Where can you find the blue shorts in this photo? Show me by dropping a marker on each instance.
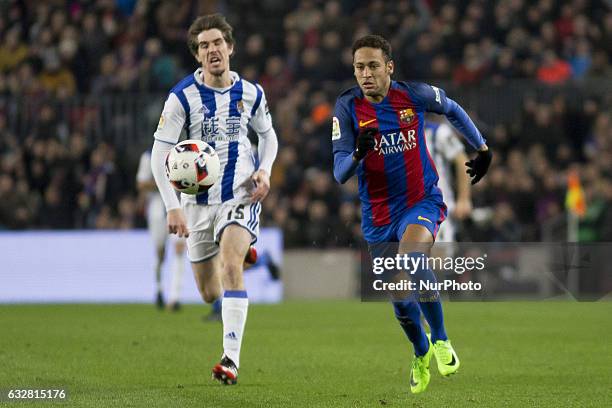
(429, 212)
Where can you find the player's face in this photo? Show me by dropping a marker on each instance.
(213, 52)
(372, 72)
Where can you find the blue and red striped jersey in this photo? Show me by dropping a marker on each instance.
(399, 172)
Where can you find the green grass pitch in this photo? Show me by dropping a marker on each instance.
(311, 354)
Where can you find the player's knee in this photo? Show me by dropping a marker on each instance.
(416, 238)
(209, 296)
(209, 293)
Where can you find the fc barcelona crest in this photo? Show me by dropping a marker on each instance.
(406, 115)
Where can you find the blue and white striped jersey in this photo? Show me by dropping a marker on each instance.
(220, 117)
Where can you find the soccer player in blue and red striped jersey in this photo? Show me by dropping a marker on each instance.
(378, 133)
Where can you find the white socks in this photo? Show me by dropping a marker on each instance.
(158, 279)
(234, 313)
(178, 267)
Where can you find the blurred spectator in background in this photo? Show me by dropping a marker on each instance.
(553, 69)
(12, 50)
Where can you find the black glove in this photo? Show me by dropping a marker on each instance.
(478, 167)
(365, 142)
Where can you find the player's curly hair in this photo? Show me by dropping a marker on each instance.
(374, 41)
(208, 22)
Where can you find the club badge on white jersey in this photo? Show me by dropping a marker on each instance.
(220, 117)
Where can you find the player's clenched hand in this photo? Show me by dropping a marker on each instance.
(365, 142)
(176, 223)
(478, 167)
(262, 185)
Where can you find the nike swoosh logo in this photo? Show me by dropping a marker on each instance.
(429, 221)
(453, 361)
(366, 123)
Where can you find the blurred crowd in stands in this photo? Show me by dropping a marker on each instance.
(52, 175)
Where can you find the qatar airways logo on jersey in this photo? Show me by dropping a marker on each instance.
(396, 142)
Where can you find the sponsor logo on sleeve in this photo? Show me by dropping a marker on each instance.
(335, 129)
(437, 91)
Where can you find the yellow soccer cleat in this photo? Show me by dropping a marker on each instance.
(448, 362)
(419, 372)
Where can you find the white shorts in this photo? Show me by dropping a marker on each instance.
(207, 222)
(156, 222)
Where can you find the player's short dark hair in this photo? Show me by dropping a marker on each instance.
(374, 41)
(208, 22)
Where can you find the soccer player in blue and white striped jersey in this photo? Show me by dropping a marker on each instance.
(217, 106)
